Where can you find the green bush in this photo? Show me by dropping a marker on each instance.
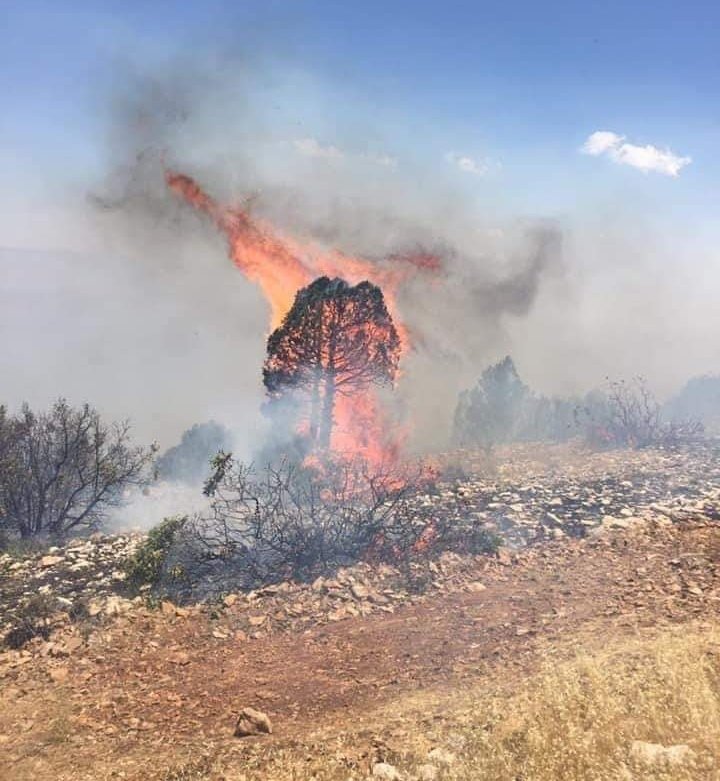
(146, 565)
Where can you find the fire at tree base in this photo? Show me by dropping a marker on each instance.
(327, 363)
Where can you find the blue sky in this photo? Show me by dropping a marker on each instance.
(519, 84)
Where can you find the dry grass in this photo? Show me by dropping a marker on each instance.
(575, 720)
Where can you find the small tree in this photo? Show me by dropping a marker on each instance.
(490, 412)
(336, 339)
(189, 461)
(64, 469)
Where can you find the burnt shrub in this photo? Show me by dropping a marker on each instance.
(299, 521)
(41, 614)
(33, 619)
(626, 414)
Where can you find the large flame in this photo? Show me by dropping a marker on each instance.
(281, 266)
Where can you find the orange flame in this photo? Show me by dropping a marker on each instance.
(280, 266)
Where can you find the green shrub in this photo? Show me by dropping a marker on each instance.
(146, 565)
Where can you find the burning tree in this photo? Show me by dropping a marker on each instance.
(304, 362)
(337, 341)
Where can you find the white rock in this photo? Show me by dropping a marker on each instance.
(657, 754)
(476, 587)
(94, 608)
(441, 757)
(116, 605)
(386, 772)
(252, 722)
(359, 591)
(50, 561)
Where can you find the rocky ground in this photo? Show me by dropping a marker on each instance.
(82, 578)
(526, 494)
(532, 493)
(147, 688)
(621, 542)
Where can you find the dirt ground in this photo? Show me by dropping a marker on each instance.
(155, 687)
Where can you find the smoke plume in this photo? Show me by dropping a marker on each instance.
(214, 125)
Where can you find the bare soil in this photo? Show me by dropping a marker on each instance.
(155, 687)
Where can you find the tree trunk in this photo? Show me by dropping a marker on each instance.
(315, 409)
(326, 422)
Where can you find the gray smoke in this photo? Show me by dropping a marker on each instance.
(213, 124)
(154, 322)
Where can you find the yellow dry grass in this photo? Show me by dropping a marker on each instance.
(576, 720)
(573, 720)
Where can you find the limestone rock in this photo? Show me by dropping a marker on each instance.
(476, 587)
(359, 591)
(385, 771)
(658, 755)
(114, 606)
(252, 722)
(50, 561)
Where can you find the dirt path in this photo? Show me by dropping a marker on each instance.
(158, 681)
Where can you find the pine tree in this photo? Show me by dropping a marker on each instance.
(336, 339)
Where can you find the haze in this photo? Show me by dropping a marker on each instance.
(576, 219)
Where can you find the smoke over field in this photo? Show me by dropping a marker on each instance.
(220, 209)
(163, 313)
(451, 276)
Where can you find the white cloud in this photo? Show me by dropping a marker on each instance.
(468, 164)
(600, 142)
(644, 158)
(311, 147)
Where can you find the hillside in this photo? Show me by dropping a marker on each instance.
(366, 672)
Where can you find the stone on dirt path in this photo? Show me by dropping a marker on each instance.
(385, 771)
(252, 722)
